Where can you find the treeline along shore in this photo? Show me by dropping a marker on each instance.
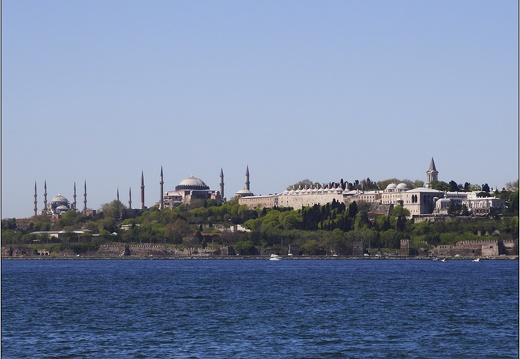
(230, 230)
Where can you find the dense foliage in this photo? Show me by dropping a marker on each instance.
(329, 229)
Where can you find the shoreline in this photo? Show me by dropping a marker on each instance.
(251, 257)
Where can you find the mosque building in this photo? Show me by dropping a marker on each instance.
(193, 192)
(246, 191)
(58, 205)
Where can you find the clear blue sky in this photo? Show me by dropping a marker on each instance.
(99, 91)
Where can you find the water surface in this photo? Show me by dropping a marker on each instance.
(259, 309)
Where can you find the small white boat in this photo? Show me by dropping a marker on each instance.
(443, 260)
(476, 260)
(275, 257)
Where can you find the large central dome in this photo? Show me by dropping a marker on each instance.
(191, 183)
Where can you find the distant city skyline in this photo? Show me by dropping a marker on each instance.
(42, 198)
(104, 91)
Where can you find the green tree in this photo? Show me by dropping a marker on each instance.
(399, 215)
(245, 248)
(454, 187)
(440, 186)
(312, 247)
(8, 223)
(113, 209)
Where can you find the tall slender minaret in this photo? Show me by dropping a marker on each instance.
(35, 200)
(74, 203)
(85, 199)
(161, 199)
(247, 178)
(431, 174)
(142, 190)
(130, 198)
(117, 195)
(45, 196)
(222, 183)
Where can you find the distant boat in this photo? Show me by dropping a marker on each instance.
(476, 260)
(443, 260)
(275, 257)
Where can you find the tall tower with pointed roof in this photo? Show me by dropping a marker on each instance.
(35, 201)
(130, 198)
(74, 203)
(161, 183)
(247, 178)
(222, 183)
(45, 196)
(142, 190)
(432, 174)
(85, 199)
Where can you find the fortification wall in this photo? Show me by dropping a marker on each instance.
(147, 250)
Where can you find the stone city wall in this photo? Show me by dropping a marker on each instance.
(147, 250)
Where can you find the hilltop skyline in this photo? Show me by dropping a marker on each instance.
(81, 191)
(102, 92)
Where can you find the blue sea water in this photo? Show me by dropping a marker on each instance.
(259, 309)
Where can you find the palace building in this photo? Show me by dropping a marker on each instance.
(419, 201)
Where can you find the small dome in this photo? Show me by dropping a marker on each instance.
(402, 186)
(244, 193)
(62, 208)
(391, 186)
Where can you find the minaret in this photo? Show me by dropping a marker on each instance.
(74, 203)
(142, 190)
(117, 195)
(247, 178)
(85, 199)
(35, 200)
(161, 199)
(431, 174)
(130, 198)
(222, 183)
(45, 196)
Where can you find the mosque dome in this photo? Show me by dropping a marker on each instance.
(391, 187)
(191, 183)
(402, 187)
(244, 193)
(59, 199)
